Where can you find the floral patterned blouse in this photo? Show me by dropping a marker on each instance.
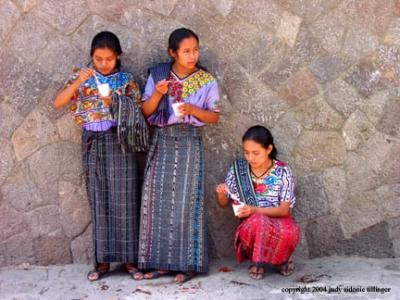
(199, 88)
(89, 109)
(273, 188)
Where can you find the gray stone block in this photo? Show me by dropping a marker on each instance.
(27, 43)
(74, 209)
(261, 15)
(336, 190)
(390, 171)
(18, 249)
(373, 14)
(390, 123)
(285, 133)
(359, 42)
(12, 67)
(69, 162)
(388, 62)
(289, 28)
(330, 29)
(316, 114)
(357, 130)
(304, 51)
(50, 250)
(65, 16)
(373, 241)
(328, 68)
(342, 97)
(309, 10)
(20, 191)
(12, 221)
(68, 130)
(259, 52)
(311, 198)
(300, 87)
(9, 15)
(82, 248)
(44, 221)
(7, 159)
(394, 234)
(35, 132)
(316, 151)
(392, 36)
(26, 5)
(202, 16)
(158, 6)
(25, 92)
(374, 106)
(59, 58)
(366, 78)
(111, 11)
(324, 236)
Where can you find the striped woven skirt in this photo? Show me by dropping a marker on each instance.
(263, 239)
(111, 182)
(172, 231)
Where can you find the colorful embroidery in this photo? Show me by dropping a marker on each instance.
(182, 89)
(86, 104)
(270, 190)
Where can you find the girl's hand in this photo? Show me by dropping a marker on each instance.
(246, 211)
(162, 87)
(221, 189)
(85, 74)
(186, 109)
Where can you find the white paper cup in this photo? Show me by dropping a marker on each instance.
(104, 89)
(236, 205)
(175, 107)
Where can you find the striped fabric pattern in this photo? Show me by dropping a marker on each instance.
(263, 239)
(172, 231)
(111, 181)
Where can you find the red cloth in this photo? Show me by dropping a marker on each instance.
(265, 239)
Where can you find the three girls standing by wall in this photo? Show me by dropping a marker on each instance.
(179, 99)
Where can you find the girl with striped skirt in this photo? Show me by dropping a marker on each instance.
(260, 188)
(110, 174)
(172, 226)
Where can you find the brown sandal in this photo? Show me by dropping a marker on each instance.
(132, 270)
(185, 276)
(99, 271)
(155, 274)
(287, 268)
(257, 273)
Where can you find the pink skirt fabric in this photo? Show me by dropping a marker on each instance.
(263, 239)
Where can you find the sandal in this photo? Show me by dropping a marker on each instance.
(184, 277)
(256, 272)
(98, 272)
(132, 270)
(287, 268)
(155, 274)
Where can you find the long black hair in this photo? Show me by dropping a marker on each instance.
(177, 36)
(262, 136)
(107, 39)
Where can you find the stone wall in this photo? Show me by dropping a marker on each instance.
(322, 74)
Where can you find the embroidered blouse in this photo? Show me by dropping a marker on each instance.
(89, 109)
(199, 88)
(271, 190)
